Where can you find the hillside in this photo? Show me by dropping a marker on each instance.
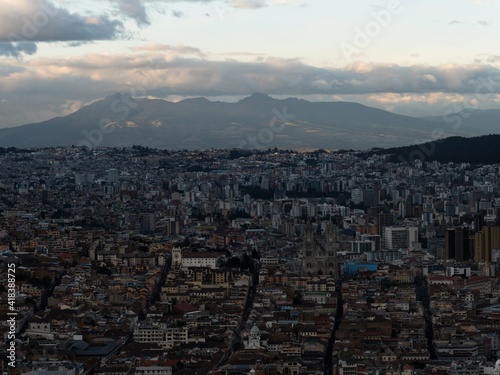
(258, 121)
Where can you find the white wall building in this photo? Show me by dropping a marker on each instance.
(160, 333)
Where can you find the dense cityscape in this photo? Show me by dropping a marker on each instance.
(258, 262)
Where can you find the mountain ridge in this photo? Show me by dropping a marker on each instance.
(258, 121)
(452, 149)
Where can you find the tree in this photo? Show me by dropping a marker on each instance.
(47, 280)
(181, 323)
(298, 298)
(104, 270)
(30, 300)
(247, 262)
(255, 254)
(234, 262)
(178, 366)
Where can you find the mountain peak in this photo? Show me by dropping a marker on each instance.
(260, 97)
(199, 100)
(118, 95)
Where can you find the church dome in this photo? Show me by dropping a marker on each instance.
(255, 330)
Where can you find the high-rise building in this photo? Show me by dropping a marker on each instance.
(113, 175)
(148, 224)
(457, 244)
(371, 197)
(384, 220)
(497, 216)
(373, 237)
(485, 241)
(396, 238)
(361, 247)
(449, 207)
(357, 196)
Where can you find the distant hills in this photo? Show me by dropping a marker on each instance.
(474, 120)
(476, 150)
(257, 121)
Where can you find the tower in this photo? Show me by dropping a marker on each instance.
(319, 254)
(457, 244)
(148, 224)
(113, 175)
(176, 257)
(384, 220)
(485, 241)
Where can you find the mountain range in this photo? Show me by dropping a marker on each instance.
(258, 121)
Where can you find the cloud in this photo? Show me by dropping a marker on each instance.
(256, 4)
(175, 50)
(177, 14)
(493, 58)
(454, 22)
(247, 4)
(17, 49)
(161, 70)
(429, 80)
(134, 9)
(483, 23)
(187, 71)
(34, 21)
(484, 2)
(25, 22)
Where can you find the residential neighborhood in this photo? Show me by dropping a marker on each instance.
(272, 262)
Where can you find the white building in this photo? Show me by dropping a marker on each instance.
(209, 260)
(457, 271)
(253, 339)
(396, 238)
(160, 333)
(360, 247)
(153, 370)
(347, 368)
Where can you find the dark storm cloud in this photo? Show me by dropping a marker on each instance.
(25, 22)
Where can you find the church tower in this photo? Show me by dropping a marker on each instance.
(319, 253)
(176, 257)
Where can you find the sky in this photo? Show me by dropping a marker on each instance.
(417, 58)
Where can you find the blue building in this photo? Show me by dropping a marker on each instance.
(352, 267)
